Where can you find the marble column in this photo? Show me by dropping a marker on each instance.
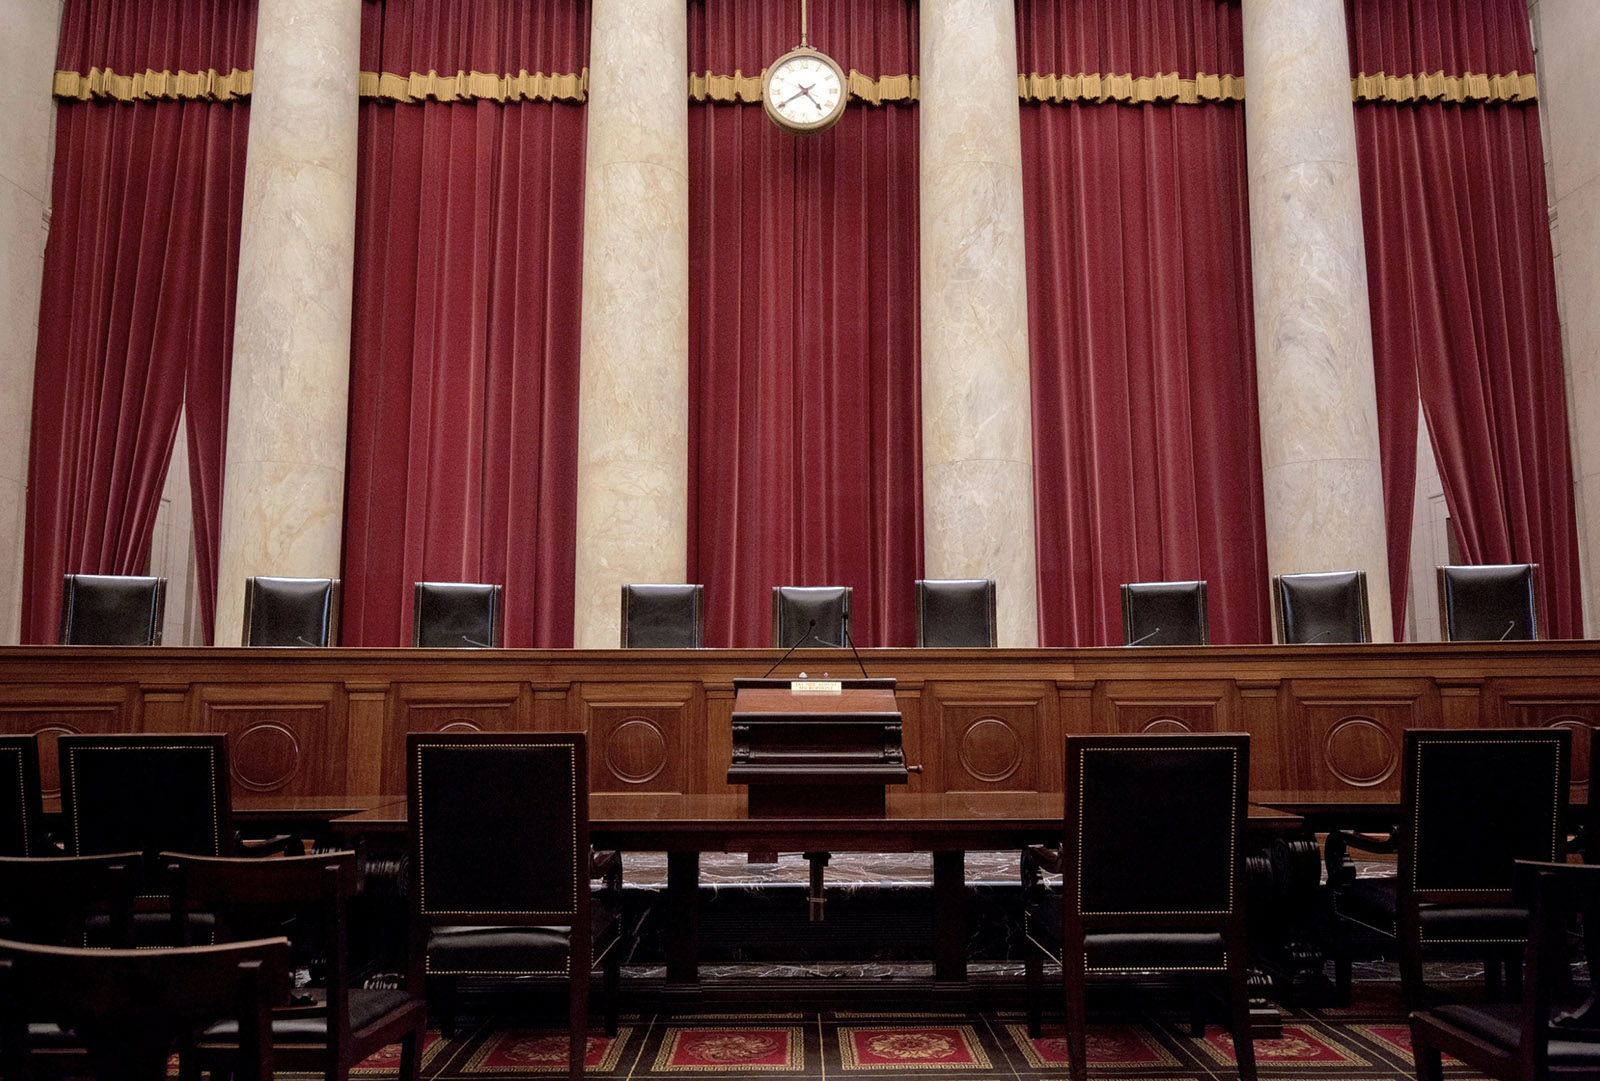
(633, 411)
(977, 428)
(27, 54)
(1319, 416)
(283, 496)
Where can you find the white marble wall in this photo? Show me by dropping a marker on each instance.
(27, 127)
(977, 426)
(283, 495)
(1319, 423)
(633, 415)
(1567, 34)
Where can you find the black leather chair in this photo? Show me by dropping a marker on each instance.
(1474, 801)
(456, 615)
(1544, 1036)
(291, 611)
(1152, 872)
(1164, 614)
(112, 610)
(130, 1008)
(146, 793)
(57, 900)
(955, 613)
(795, 607)
(22, 830)
(1324, 606)
(1489, 603)
(501, 869)
(327, 1028)
(663, 616)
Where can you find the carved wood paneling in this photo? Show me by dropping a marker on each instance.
(992, 739)
(46, 712)
(285, 739)
(1537, 703)
(1156, 706)
(1348, 733)
(642, 739)
(450, 707)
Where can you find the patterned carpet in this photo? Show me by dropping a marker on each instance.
(1368, 1042)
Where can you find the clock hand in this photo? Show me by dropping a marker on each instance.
(803, 91)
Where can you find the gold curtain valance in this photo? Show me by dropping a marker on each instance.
(1131, 89)
(1438, 86)
(474, 86)
(740, 87)
(103, 83)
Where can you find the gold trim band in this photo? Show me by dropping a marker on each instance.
(739, 87)
(1131, 89)
(1438, 86)
(473, 86)
(153, 85)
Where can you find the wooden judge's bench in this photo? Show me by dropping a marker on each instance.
(332, 722)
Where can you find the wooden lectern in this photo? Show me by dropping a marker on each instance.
(816, 748)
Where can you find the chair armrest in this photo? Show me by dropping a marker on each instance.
(282, 844)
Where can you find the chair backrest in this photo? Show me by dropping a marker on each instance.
(112, 610)
(1497, 602)
(663, 616)
(456, 615)
(291, 611)
(794, 607)
(1559, 896)
(1474, 801)
(1164, 614)
(129, 1007)
(499, 829)
(21, 813)
(146, 793)
(955, 612)
(50, 899)
(1322, 606)
(1154, 828)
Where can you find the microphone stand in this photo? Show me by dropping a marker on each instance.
(809, 628)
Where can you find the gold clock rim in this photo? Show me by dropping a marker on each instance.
(814, 126)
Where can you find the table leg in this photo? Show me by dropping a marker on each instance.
(949, 918)
(683, 921)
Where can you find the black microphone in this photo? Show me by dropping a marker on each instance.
(1145, 637)
(809, 628)
(303, 640)
(474, 642)
(1320, 634)
(851, 642)
(1510, 626)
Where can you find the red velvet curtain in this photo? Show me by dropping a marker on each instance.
(1147, 461)
(136, 316)
(464, 366)
(1462, 285)
(804, 423)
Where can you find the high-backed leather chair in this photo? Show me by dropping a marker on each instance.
(146, 793)
(663, 616)
(456, 615)
(291, 611)
(1492, 602)
(1152, 869)
(795, 607)
(956, 612)
(1164, 614)
(21, 813)
(112, 610)
(1474, 801)
(501, 868)
(1323, 606)
(131, 1008)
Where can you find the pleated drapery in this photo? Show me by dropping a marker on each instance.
(1147, 459)
(136, 315)
(464, 362)
(1462, 284)
(804, 424)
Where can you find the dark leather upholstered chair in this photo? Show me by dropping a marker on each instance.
(663, 616)
(794, 608)
(112, 610)
(1542, 1036)
(1164, 614)
(456, 615)
(1152, 875)
(1474, 801)
(1489, 603)
(501, 867)
(146, 793)
(956, 612)
(336, 1026)
(129, 1008)
(52, 900)
(21, 813)
(1323, 606)
(291, 611)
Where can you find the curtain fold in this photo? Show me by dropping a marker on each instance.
(464, 364)
(1147, 460)
(1462, 289)
(136, 316)
(804, 422)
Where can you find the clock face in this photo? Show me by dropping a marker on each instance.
(804, 91)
